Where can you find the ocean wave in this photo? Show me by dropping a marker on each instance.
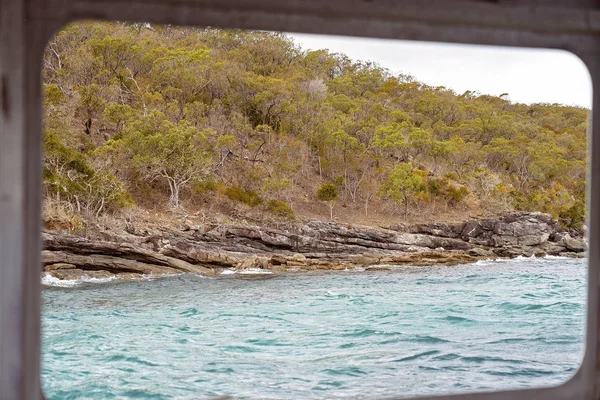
(510, 340)
(427, 339)
(347, 371)
(564, 305)
(518, 259)
(239, 349)
(228, 272)
(529, 372)
(190, 312)
(129, 359)
(549, 257)
(49, 280)
(486, 261)
(368, 332)
(483, 359)
(417, 356)
(254, 271)
(447, 357)
(457, 319)
(524, 258)
(249, 271)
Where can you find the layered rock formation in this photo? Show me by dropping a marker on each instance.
(316, 245)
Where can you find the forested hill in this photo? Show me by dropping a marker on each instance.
(247, 124)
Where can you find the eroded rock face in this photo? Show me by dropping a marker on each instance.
(59, 266)
(312, 246)
(575, 245)
(518, 229)
(520, 233)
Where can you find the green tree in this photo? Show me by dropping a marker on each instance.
(254, 111)
(402, 183)
(117, 114)
(176, 154)
(328, 193)
(394, 139)
(70, 176)
(574, 216)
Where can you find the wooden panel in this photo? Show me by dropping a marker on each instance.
(19, 208)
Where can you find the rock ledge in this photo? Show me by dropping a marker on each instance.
(317, 245)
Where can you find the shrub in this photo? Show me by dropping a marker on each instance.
(442, 188)
(280, 208)
(339, 181)
(244, 196)
(573, 217)
(327, 192)
(532, 201)
(436, 186)
(451, 176)
(203, 187)
(456, 195)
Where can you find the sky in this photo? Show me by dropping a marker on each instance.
(527, 75)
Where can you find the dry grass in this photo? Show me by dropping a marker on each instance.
(216, 210)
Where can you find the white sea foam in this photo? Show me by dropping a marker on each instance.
(486, 261)
(524, 258)
(153, 277)
(228, 272)
(519, 259)
(248, 271)
(49, 280)
(254, 271)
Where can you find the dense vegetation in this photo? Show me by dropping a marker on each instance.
(189, 118)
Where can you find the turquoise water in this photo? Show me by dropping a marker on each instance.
(414, 330)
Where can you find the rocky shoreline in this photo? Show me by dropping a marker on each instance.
(316, 245)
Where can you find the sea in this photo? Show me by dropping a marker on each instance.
(351, 334)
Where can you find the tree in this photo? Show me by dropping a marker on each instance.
(419, 142)
(462, 156)
(403, 182)
(71, 177)
(176, 154)
(328, 193)
(140, 103)
(117, 114)
(90, 103)
(574, 216)
(393, 138)
(346, 151)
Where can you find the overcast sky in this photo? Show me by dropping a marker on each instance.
(527, 75)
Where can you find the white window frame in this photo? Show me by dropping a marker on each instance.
(26, 26)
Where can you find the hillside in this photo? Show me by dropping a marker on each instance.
(227, 125)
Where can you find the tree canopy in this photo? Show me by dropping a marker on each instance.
(179, 116)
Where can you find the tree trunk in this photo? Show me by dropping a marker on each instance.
(174, 187)
(331, 210)
(320, 169)
(175, 195)
(100, 208)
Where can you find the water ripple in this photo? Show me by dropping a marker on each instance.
(411, 331)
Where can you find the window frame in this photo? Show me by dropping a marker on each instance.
(27, 25)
